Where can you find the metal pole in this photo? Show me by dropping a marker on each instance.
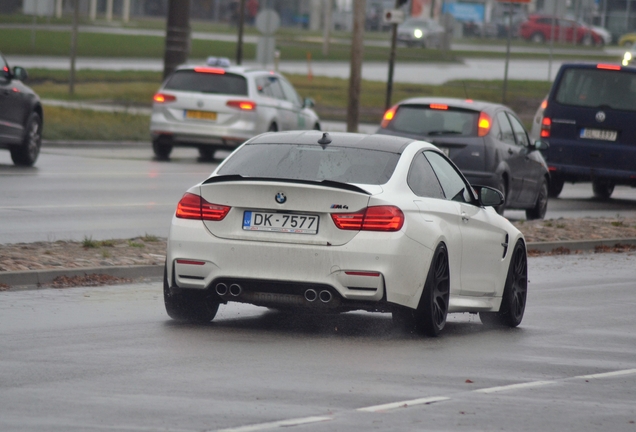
(71, 87)
(505, 83)
(241, 22)
(177, 35)
(355, 77)
(554, 11)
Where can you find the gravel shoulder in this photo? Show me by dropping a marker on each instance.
(151, 250)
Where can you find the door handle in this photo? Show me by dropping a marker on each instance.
(465, 218)
(510, 151)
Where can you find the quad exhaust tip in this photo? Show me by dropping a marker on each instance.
(236, 290)
(325, 296)
(311, 295)
(221, 289)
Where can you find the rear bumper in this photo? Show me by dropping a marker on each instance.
(364, 271)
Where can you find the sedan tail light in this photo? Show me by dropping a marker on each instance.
(388, 116)
(244, 105)
(193, 206)
(484, 124)
(378, 218)
(163, 98)
(546, 125)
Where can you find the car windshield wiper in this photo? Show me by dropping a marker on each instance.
(443, 132)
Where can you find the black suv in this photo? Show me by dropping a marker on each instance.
(589, 119)
(20, 116)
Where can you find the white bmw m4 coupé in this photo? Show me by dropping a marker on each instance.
(311, 221)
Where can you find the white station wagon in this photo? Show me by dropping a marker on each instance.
(218, 107)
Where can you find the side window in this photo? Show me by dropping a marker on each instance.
(269, 86)
(454, 187)
(290, 93)
(422, 180)
(505, 130)
(519, 130)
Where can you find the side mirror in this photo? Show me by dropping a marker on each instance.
(20, 73)
(309, 103)
(541, 145)
(489, 197)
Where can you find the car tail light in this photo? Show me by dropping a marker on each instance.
(362, 273)
(378, 218)
(608, 66)
(193, 206)
(388, 116)
(544, 104)
(484, 124)
(546, 125)
(438, 106)
(245, 105)
(210, 70)
(163, 98)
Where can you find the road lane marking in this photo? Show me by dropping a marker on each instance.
(608, 374)
(514, 387)
(277, 424)
(403, 404)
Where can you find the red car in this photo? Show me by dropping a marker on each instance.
(538, 28)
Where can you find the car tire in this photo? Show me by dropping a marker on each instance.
(513, 301)
(273, 128)
(541, 204)
(587, 40)
(430, 316)
(317, 126)
(602, 189)
(27, 153)
(555, 187)
(188, 306)
(503, 188)
(161, 150)
(206, 153)
(537, 37)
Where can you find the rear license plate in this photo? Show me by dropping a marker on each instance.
(280, 222)
(200, 115)
(599, 134)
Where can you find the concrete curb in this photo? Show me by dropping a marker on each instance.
(95, 144)
(35, 279)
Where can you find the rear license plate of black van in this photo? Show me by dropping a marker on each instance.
(599, 134)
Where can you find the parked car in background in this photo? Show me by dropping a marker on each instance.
(218, 107)
(21, 116)
(589, 121)
(602, 32)
(538, 29)
(627, 40)
(487, 141)
(314, 222)
(630, 56)
(423, 32)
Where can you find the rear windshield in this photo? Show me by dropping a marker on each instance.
(422, 120)
(598, 88)
(298, 162)
(189, 80)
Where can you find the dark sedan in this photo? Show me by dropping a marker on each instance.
(20, 116)
(485, 140)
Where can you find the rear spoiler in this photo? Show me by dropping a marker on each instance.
(324, 183)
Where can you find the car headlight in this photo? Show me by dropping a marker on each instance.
(627, 56)
(418, 33)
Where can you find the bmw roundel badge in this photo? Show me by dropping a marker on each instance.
(281, 198)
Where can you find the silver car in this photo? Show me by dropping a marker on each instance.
(420, 31)
(218, 108)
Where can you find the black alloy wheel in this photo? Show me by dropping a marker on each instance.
(161, 150)
(189, 306)
(27, 153)
(602, 189)
(272, 128)
(206, 153)
(433, 308)
(502, 187)
(513, 302)
(541, 204)
(555, 187)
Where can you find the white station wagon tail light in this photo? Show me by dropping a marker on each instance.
(244, 105)
(193, 206)
(378, 218)
(163, 98)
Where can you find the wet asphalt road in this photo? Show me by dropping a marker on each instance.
(112, 193)
(109, 359)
